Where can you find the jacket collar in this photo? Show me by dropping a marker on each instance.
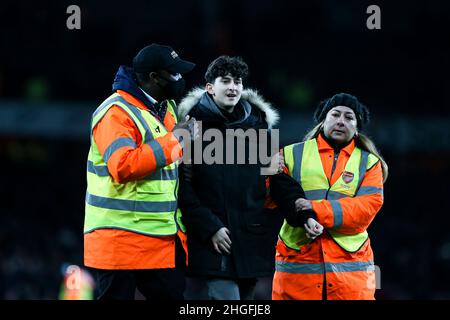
(323, 145)
(149, 97)
(250, 98)
(133, 100)
(125, 84)
(208, 103)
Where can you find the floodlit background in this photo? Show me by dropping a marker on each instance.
(299, 52)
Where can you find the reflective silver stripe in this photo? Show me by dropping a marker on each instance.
(334, 195)
(109, 102)
(350, 266)
(337, 213)
(138, 114)
(320, 268)
(316, 194)
(131, 205)
(362, 167)
(174, 108)
(101, 171)
(159, 153)
(369, 190)
(167, 174)
(294, 267)
(126, 229)
(117, 144)
(100, 108)
(298, 155)
(106, 103)
(320, 194)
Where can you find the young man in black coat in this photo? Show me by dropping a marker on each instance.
(230, 236)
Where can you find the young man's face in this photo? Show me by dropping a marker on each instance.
(226, 91)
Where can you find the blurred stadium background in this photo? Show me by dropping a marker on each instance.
(299, 52)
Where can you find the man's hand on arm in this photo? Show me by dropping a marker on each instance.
(187, 129)
(302, 204)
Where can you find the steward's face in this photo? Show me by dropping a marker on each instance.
(340, 124)
(226, 91)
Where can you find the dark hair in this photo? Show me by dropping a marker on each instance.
(225, 65)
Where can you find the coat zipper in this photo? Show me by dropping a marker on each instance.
(336, 156)
(324, 284)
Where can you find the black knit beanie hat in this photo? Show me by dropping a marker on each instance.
(343, 99)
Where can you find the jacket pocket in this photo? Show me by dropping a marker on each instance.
(154, 187)
(256, 228)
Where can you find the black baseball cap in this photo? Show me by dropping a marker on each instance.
(158, 57)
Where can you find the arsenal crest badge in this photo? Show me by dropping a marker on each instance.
(347, 176)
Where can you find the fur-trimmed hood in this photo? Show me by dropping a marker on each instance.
(249, 95)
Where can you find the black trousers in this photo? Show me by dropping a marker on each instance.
(153, 284)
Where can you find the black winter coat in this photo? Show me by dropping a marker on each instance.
(284, 191)
(231, 195)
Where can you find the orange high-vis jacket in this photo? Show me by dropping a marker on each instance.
(357, 212)
(324, 262)
(120, 249)
(128, 163)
